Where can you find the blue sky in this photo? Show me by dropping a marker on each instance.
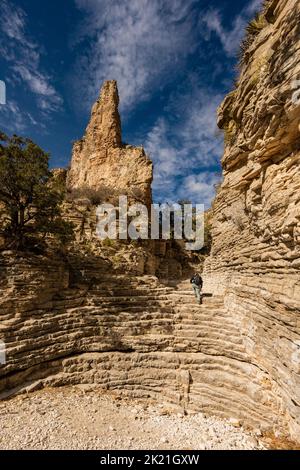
(174, 61)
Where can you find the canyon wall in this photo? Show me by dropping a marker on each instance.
(75, 319)
(80, 322)
(255, 258)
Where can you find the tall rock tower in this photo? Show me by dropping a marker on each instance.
(100, 160)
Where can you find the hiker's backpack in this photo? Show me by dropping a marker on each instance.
(198, 281)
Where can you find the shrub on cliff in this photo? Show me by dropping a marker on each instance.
(30, 197)
(253, 29)
(95, 196)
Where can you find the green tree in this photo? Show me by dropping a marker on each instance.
(30, 198)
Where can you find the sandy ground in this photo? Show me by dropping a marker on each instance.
(85, 418)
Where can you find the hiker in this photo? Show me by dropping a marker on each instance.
(197, 284)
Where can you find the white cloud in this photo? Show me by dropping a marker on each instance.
(39, 84)
(141, 43)
(20, 50)
(13, 21)
(190, 145)
(199, 187)
(253, 7)
(230, 39)
(13, 119)
(136, 42)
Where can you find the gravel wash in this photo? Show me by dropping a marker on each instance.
(81, 417)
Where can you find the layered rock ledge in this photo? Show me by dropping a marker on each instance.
(255, 257)
(83, 324)
(237, 355)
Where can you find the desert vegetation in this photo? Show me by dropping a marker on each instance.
(30, 198)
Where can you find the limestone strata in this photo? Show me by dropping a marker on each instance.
(100, 160)
(163, 258)
(237, 355)
(76, 323)
(256, 219)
